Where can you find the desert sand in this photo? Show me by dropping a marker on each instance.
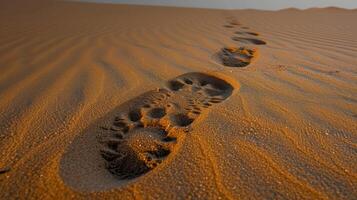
(139, 102)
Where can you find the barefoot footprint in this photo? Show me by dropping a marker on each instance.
(141, 137)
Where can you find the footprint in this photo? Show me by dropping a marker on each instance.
(236, 57)
(142, 133)
(249, 40)
(146, 132)
(246, 33)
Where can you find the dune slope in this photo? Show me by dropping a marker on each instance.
(238, 104)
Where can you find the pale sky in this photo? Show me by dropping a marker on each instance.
(241, 4)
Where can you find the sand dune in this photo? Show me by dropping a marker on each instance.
(135, 102)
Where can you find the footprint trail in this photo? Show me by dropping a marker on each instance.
(239, 56)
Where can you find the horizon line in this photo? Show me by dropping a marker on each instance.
(211, 8)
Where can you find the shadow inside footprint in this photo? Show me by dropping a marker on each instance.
(175, 85)
(228, 26)
(246, 33)
(157, 113)
(139, 135)
(182, 120)
(234, 23)
(249, 40)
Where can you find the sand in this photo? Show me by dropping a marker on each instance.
(139, 102)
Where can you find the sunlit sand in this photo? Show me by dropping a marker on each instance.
(135, 102)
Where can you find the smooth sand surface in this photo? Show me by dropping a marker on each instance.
(134, 102)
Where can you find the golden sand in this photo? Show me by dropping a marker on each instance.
(132, 102)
